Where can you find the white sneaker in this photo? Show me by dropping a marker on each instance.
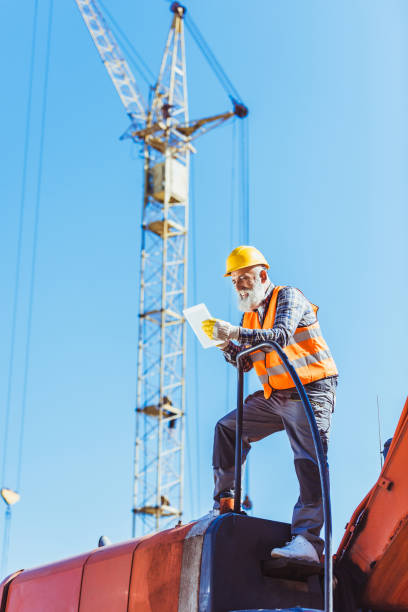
(298, 548)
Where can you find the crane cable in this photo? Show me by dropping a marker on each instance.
(35, 239)
(7, 522)
(6, 541)
(139, 63)
(19, 242)
(232, 245)
(244, 158)
(212, 60)
(244, 191)
(245, 238)
(195, 298)
(35, 236)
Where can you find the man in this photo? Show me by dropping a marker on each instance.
(283, 315)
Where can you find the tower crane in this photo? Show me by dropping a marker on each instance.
(165, 133)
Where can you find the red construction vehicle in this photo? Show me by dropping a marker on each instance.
(371, 562)
(222, 565)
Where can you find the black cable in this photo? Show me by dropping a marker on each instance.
(320, 456)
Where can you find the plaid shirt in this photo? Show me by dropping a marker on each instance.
(292, 310)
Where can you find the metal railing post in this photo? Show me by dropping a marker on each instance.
(238, 441)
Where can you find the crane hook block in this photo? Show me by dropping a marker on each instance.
(240, 110)
(178, 8)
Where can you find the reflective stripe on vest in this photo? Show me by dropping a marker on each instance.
(306, 349)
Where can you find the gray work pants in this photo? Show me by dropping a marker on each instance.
(262, 417)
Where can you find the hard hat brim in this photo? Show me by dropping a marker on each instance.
(265, 265)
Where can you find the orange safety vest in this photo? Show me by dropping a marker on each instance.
(306, 349)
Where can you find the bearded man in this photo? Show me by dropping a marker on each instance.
(284, 315)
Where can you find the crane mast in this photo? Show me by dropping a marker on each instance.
(165, 133)
(160, 405)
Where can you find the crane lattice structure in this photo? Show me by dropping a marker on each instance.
(166, 134)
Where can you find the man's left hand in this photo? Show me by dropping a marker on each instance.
(216, 329)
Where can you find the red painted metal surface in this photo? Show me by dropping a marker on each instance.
(106, 578)
(51, 588)
(378, 545)
(140, 575)
(3, 588)
(155, 581)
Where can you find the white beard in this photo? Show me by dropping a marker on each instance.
(251, 299)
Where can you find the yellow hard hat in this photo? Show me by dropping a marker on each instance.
(244, 256)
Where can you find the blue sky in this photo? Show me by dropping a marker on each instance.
(326, 85)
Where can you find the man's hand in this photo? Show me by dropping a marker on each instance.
(220, 330)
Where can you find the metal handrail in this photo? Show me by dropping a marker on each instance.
(321, 460)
